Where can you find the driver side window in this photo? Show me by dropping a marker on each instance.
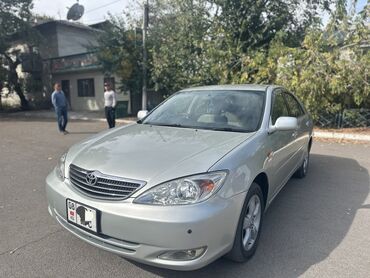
(279, 108)
(178, 108)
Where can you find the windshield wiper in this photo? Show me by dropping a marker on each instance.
(201, 127)
(228, 129)
(171, 125)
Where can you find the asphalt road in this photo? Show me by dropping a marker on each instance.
(317, 227)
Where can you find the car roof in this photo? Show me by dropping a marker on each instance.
(239, 87)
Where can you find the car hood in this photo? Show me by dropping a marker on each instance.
(154, 153)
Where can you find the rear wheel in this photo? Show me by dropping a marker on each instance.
(303, 169)
(249, 226)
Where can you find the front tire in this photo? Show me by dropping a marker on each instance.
(249, 226)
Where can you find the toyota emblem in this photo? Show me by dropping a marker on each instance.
(91, 178)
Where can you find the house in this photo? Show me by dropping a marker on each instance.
(68, 59)
(65, 55)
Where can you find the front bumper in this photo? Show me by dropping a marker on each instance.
(143, 232)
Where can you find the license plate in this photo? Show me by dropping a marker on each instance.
(82, 216)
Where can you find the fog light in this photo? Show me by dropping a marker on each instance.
(183, 255)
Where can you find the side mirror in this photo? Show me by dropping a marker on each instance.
(142, 114)
(284, 123)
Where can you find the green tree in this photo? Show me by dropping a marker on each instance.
(15, 21)
(178, 38)
(243, 31)
(330, 70)
(198, 42)
(120, 53)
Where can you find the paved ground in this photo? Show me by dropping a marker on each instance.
(317, 227)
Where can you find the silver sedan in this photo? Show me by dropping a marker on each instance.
(190, 181)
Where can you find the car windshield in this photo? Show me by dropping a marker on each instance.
(226, 110)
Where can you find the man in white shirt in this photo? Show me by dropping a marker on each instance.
(110, 102)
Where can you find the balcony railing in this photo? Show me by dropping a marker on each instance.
(77, 62)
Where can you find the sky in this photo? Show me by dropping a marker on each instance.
(97, 10)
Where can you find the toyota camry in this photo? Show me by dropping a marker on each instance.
(188, 182)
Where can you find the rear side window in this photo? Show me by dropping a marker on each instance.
(279, 108)
(295, 109)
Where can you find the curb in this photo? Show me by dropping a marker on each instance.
(341, 136)
(124, 121)
(50, 115)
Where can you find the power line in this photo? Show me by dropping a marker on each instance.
(93, 21)
(98, 19)
(103, 6)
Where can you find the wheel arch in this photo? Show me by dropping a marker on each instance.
(262, 180)
(310, 144)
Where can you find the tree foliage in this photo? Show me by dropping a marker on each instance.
(200, 42)
(330, 70)
(207, 42)
(120, 53)
(15, 23)
(178, 40)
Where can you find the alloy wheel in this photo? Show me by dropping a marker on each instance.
(251, 223)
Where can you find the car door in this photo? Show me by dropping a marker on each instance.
(281, 149)
(301, 136)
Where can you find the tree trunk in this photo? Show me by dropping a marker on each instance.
(13, 80)
(19, 91)
(1, 90)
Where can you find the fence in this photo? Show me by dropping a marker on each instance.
(347, 119)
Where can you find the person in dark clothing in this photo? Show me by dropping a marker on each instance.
(110, 102)
(60, 105)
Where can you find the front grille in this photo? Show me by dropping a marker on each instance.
(102, 186)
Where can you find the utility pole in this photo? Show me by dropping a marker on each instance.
(145, 56)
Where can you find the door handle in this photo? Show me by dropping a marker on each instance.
(294, 134)
(308, 123)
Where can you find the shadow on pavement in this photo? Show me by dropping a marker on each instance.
(304, 224)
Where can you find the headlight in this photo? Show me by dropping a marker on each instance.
(184, 191)
(60, 168)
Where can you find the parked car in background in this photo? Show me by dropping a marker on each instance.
(190, 181)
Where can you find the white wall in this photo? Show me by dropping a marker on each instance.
(90, 103)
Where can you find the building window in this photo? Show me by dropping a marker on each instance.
(111, 81)
(86, 87)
